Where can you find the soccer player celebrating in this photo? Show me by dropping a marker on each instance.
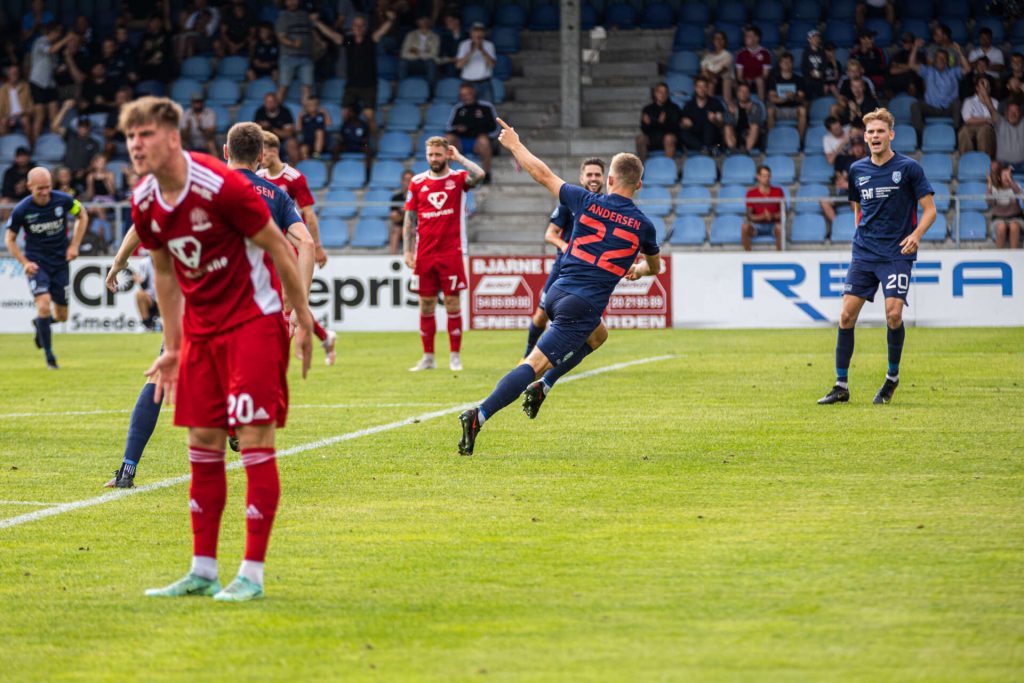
(291, 180)
(43, 215)
(434, 234)
(608, 233)
(557, 234)
(885, 190)
(217, 255)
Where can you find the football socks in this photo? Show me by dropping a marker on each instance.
(508, 389)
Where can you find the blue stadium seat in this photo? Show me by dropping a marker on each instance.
(938, 137)
(659, 229)
(386, 175)
(771, 38)
(684, 62)
(387, 67)
(840, 33)
(294, 92)
(905, 141)
(333, 233)
(506, 40)
(413, 90)
(936, 233)
(942, 194)
(769, 12)
(332, 89)
(371, 233)
(731, 11)
(919, 11)
(224, 91)
(421, 141)
(447, 90)
(689, 37)
(973, 166)
(472, 14)
(246, 111)
(233, 66)
(183, 89)
(783, 140)
(154, 88)
(255, 91)
(498, 88)
(694, 13)
(842, 10)
(816, 169)
(697, 201)
(733, 34)
(731, 192)
(808, 227)
(783, 168)
(738, 169)
(437, 116)
(544, 18)
(972, 189)
(796, 37)
(404, 117)
(810, 190)
(348, 174)
(957, 29)
(806, 10)
(222, 116)
(333, 110)
(395, 145)
(315, 172)
(679, 85)
(660, 171)
(49, 148)
(726, 230)
(937, 167)
(819, 110)
(376, 209)
(345, 210)
(699, 169)
(658, 15)
(384, 91)
(511, 16)
(973, 227)
(620, 15)
(503, 67)
(843, 227)
(197, 68)
(883, 32)
(953, 9)
(655, 200)
(688, 230)
(900, 106)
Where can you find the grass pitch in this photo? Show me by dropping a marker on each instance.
(697, 518)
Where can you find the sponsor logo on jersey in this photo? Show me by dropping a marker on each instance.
(896, 175)
(200, 220)
(863, 180)
(437, 199)
(187, 249)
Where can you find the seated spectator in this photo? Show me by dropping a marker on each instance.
(354, 137)
(278, 120)
(872, 58)
(858, 150)
(313, 125)
(860, 101)
(475, 62)
(118, 66)
(397, 214)
(265, 53)
(473, 125)
(763, 218)
(15, 186)
(1004, 200)
(155, 59)
(41, 81)
(1009, 132)
(98, 92)
(199, 127)
(836, 141)
(702, 120)
(744, 120)
(812, 66)
(64, 182)
(421, 50)
(1012, 85)
(854, 72)
(903, 76)
(200, 27)
(235, 32)
(832, 71)
(717, 68)
(978, 72)
(753, 62)
(839, 192)
(941, 87)
(986, 49)
(295, 34)
(841, 178)
(79, 145)
(15, 103)
(659, 122)
(874, 9)
(786, 96)
(100, 184)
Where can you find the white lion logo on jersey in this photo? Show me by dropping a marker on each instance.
(437, 199)
(188, 250)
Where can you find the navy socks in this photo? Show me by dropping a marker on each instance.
(508, 389)
(895, 339)
(555, 373)
(140, 428)
(532, 337)
(844, 352)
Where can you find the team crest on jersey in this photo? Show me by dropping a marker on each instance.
(188, 250)
(59, 211)
(200, 220)
(896, 175)
(437, 199)
(863, 180)
(449, 185)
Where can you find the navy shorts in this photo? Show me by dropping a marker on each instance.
(863, 278)
(573, 320)
(52, 281)
(552, 276)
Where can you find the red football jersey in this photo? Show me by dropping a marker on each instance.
(293, 182)
(440, 206)
(762, 209)
(751, 64)
(226, 280)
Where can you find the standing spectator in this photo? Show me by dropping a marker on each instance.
(199, 127)
(836, 141)
(702, 120)
(35, 21)
(15, 187)
(420, 51)
(1009, 131)
(396, 16)
(200, 28)
(397, 214)
(451, 38)
(41, 82)
(295, 34)
(265, 53)
(903, 76)
(875, 9)
(313, 125)
(1004, 200)
(659, 122)
(79, 146)
(787, 96)
(763, 218)
(812, 66)
(100, 184)
(744, 120)
(155, 62)
(753, 62)
(985, 48)
(278, 120)
(941, 87)
(15, 103)
(116, 145)
(73, 64)
(717, 67)
(872, 58)
(235, 33)
(98, 92)
(473, 125)
(475, 61)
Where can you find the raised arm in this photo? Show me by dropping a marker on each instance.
(385, 27)
(476, 174)
(537, 169)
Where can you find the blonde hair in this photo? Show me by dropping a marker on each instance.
(437, 141)
(627, 169)
(159, 110)
(271, 141)
(880, 114)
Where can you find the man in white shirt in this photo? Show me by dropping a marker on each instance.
(199, 127)
(977, 133)
(836, 141)
(987, 49)
(475, 61)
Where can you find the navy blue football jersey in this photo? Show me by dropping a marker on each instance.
(281, 206)
(888, 196)
(46, 233)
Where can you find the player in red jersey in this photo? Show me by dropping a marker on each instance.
(216, 249)
(291, 180)
(435, 243)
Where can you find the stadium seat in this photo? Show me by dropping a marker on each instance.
(544, 18)
(49, 148)
(421, 141)
(819, 110)
(689, 36)
(731, 11)
(679, 85)
(372, 206)
(688, 230)
(783, 168)
(942, 194)
(315, 172)
(333, 110)
(969, 189)
(655, 201)
(348, 174)
(294, 92)
(233, 66)
(222, 116)
(506, 40)
(197, 68)
(739, 169)
(413, 91)
(660, 171)
(256, 90)
(937, 167)
(183, 89)
(783, 140)
(10, 143)
(246, 111)
(938, 137)
(659, 229)
(883, 32)
(900, 106)
(699, 170)
(843, 227)
(472, 14)
(344, 210)
(333, 233)
(733, 34)
(404, 117)
(154, 88)
(588, 17)
(332, 89)
(498, 88)
(905, 141)
(806, 10)
(816, 169)
(957, 29)
(973, 166)
(386, 175)
(796, 36)
(395, 145)
(224, 91)
(973, 227)
(371, 233)
(840, 33)
(511, 16)
(384, 91)
(658, 15)
(437, 116)
(387, 67)
(726, 230)
(694, 13)
(503, 67)
(994, 24)
(620, 15)
(693, 200)
(769, 12)
(842, 10)
(809, 190)
(937, 232)
(447, 90)
(684, 62)
(731, 207)
(920, 11)
(771, 38)
(808, 227)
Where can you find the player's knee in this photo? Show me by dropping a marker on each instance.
(452, 305)
(894, 317)
(60, 314)
(599, 337)
(427, 305)
(847, 319)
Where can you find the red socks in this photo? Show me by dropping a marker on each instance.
(319, 331)
(455, 331)
(264, 490)
(207, 494)
(428, 328)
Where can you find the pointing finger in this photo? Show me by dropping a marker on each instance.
(503, 124)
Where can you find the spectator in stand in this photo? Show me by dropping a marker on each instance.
(116, 146)
(1004, 201)
(941, 87)
(64, 182)
(753, 62)
(265, 53)
(98, 92)
(200, 28)
(717, 68)
(100, 233)
(978, 72)
(872, 58)
(397, 214)
(236, 32)
(786, 96)
(858, 149)
(355, 138)
(659, 122)
(875, 9)
(903, 76)
(79, 145)
(942, 40)
(41, 82)
(836, 140)
(398, 23)
(420, 51)
(985, 48)
(812, 66)
(475, 61)
(199, 127)
(35, 21)
(295, 34)
(1012, 84)
(1009, 131)
(73, 64)
(860, 102)
(278, 120)
(832, 71)
(15, 186)
(854, 72)
(100, 184)
(763, 218)
(15, 103)
(155, 62)
(344, 13)
(473, 125)
(117, 66)
(313, 125)
(744, 120)
(702, 119)
(451, 38)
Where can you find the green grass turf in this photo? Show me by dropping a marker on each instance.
(698, 518)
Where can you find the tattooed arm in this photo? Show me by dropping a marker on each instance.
(409, 237)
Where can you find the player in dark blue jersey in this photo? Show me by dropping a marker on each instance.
(43, 216)
(885, 190)
(557, 235)
(609, 231)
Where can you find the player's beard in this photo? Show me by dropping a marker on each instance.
(439, 168)
(595, 187)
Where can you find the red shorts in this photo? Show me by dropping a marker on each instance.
(235, 379)
(435, 274)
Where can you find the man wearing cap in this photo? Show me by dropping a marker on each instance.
(871, 57)
(199, 127)
(79, 146)
(475, 61)
(812, 66)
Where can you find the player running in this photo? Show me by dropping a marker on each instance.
(608, 233)
(216, 250)
(557, 234)
(291, 180)
(43, 215)
(885, 190)
(434, 233)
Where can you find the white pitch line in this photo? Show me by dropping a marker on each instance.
(26, 502)
(304, 405)
(301, 448)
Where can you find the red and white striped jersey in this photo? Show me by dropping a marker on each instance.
(440, 206)
(293, 182)
(226, 279)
